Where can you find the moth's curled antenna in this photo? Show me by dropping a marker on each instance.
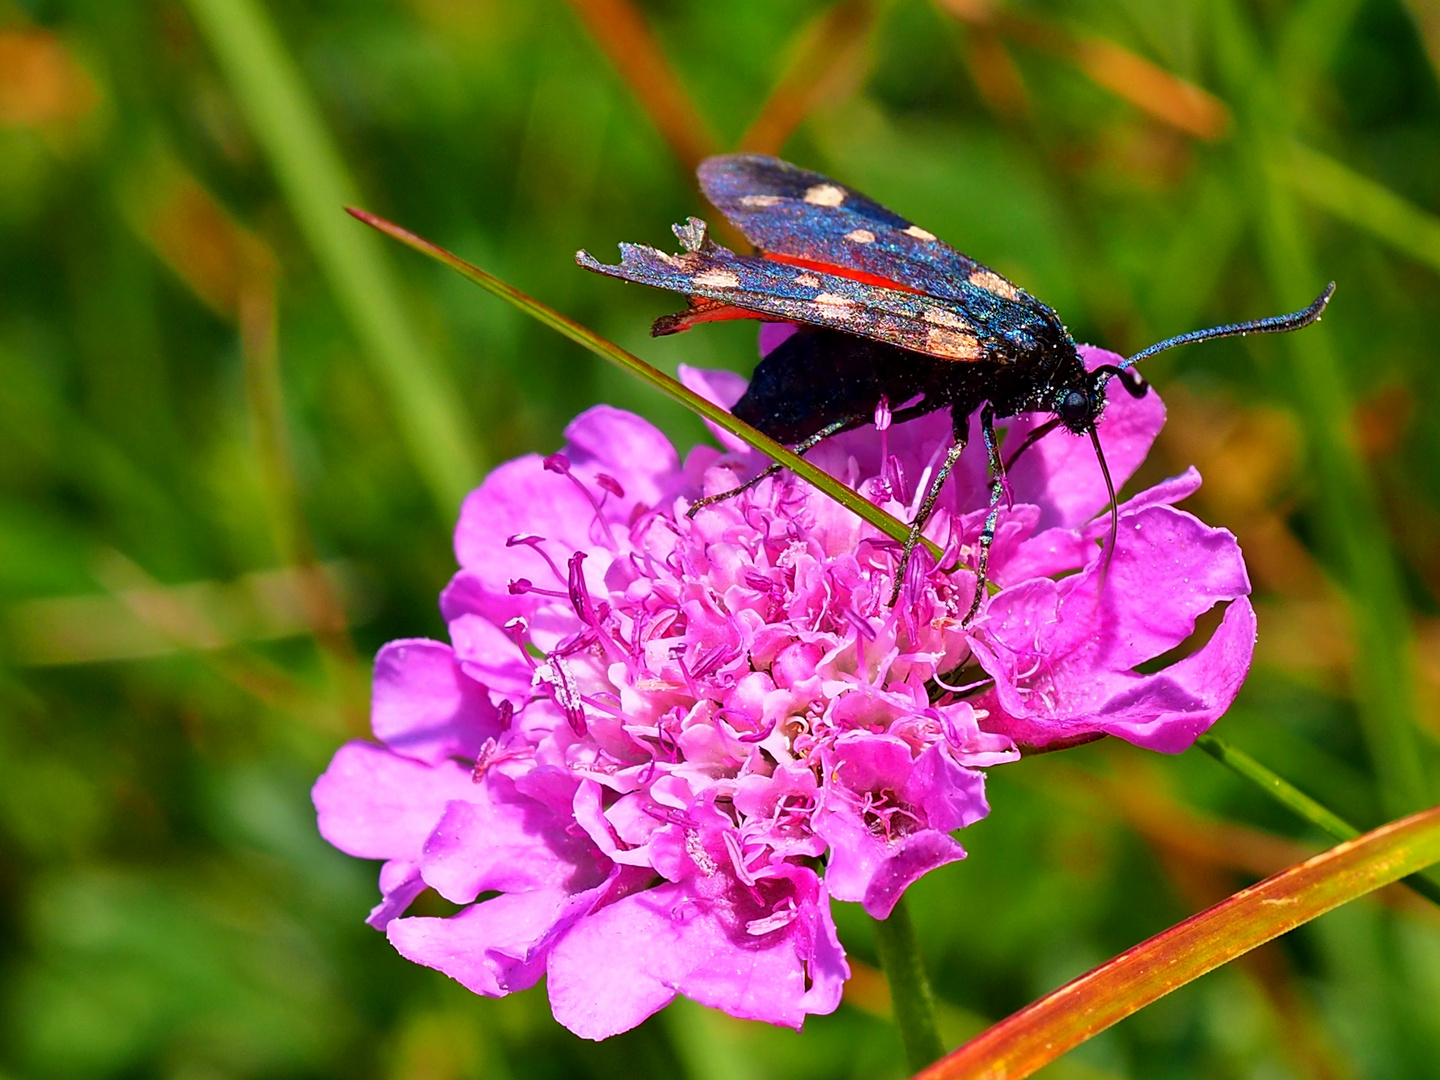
(1109, 552)
(1129, 378)
(1276, 324)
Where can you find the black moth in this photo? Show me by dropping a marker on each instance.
(886, 312)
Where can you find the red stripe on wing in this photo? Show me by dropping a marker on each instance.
(840, 271)
(702, 310)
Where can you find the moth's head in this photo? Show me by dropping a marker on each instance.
(1080, 404)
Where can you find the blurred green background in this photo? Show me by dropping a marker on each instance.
(235, 429)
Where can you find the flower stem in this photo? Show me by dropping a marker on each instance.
(911, 1001)
(1286, 793)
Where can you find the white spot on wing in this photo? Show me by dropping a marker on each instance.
(861, 236)
(993, 283)
(825, 195)
(760, 200)
(810, 281)
(717, 279)
(941, 317)
(952, 345)
(833, 300)
(919, 233)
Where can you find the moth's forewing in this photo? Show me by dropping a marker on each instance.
(798, 214)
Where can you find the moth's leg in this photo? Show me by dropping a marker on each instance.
(997, 492)
(960, 427)
(801, 448)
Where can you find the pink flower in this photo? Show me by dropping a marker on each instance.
(656, 748)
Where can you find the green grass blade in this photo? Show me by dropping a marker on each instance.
(287, 123)
(860, 506)
(1018, 1046)
(1352, 524)
(1295, 800)
(1352, 518)
(1360, 201)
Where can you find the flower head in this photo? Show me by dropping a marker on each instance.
(657, 747)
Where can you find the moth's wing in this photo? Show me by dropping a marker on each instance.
(794, 213)
(959, 330)
(817, 377)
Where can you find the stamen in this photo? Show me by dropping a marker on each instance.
(534, 542)
(559, 463)
(940, 682)
(524, 586)
(566, 693)
(518, 630)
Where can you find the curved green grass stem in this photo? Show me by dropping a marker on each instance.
(911, 1001)
(1291, 797)
(851, 500)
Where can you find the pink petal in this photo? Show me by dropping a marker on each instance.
(424, 707)
(626, 447)
(773, 335)
(400, 884)
(599, 977)
(489, 657)
(627, 960)
(500, 839)
(377, 805)
(723, 388)
(494, 948)
(1063, 654)
(1203, 686)
(919, 854)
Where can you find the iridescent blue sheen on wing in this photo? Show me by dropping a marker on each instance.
(977, 326)
(786, 210)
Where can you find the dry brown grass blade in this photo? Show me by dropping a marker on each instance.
(829, 61)
(995, 72)
(41, 83)
(622, 32)
(1149, 87)
(1426, 14)
(234, 273)
(176, 618)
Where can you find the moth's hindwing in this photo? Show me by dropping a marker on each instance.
(788, 211)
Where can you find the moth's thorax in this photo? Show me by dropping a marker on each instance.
(1041, 372)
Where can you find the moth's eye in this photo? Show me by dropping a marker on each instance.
(1074, 406)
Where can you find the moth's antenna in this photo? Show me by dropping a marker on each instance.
(1114, 508)
(1276, 324)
